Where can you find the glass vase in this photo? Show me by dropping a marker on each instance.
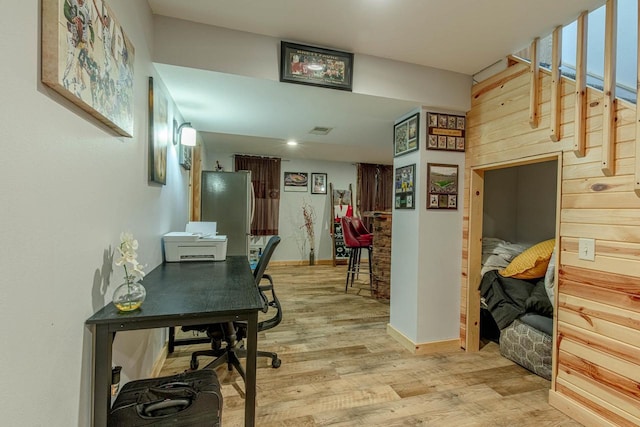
(312, 257)
(129, 296)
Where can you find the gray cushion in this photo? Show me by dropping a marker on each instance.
(528, 347)
(541, 323)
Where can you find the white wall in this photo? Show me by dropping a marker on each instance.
(246, 54)
(294, 245)
(536, 202)
(520, 203)
(426, 248)
(499, 216)
(68, 188)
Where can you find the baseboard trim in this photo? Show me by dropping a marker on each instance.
(296, 263)
(424, 348)
(159, 363)
(576, 411)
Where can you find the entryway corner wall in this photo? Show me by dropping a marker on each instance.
(425, 254)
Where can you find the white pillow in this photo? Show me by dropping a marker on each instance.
(493, 260)
(549, 277)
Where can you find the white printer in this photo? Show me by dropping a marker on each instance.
(199, 242)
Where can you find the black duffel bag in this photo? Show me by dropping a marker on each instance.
(188, 399)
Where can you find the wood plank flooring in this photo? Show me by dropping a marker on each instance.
(340, 368)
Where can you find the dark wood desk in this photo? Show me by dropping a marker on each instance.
(187, 293)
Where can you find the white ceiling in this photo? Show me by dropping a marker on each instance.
(253, 116)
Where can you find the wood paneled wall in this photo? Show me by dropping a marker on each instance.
(596, 376)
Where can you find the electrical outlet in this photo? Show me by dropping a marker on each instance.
(587, 249)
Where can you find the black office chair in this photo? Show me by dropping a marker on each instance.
(232, 333)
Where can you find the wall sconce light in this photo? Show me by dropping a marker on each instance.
(185, 134)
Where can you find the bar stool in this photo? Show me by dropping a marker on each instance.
(360, 228)
(355, 243)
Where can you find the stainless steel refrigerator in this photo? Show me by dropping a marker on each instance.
(227, 199)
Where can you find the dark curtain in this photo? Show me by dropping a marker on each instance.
(265, 177)
(375, 188)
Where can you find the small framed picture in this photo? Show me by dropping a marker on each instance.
(404, 187)
(433, 120)
(406, 135)
(442, 186)
(443, 121)
(318, 183)
(446, 132)
(296, 181)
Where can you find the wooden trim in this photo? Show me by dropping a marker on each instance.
(512, 72)
(474, 256)
(474, 227)
(401, 338)
(423, 348)
(637, 170)
(534, 88)
(539, 158)
(580, 121)
(303, 262)
(609, 89)
(556, 85)
(437, 347)
(555, 350)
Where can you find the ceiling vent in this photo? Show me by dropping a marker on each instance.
(319, 130)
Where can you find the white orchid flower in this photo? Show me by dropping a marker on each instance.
(128, 255)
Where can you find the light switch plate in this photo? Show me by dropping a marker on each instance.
(587, 249)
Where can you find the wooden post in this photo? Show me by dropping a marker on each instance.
(556, 81)
(474, 259)
(637, 178)
(580, 121)
(534, 71)
(196, 181)
(609, 107)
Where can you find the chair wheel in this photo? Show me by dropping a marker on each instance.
(194, 364)
(275, 363)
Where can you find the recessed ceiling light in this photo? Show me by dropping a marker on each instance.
(292, 142)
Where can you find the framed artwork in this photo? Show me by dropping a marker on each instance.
(406, 135)
(159, 131)
(442, 186)
(404, 187)
(445, 132)
(88, 58)
(318, 183)
(315, 66)
(296, 181)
